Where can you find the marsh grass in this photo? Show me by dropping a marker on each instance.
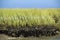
(21, 17)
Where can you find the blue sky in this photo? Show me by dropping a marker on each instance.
(29, 3)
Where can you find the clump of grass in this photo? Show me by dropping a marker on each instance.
(21, 17)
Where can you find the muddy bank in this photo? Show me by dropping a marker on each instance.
(4, 37)
(31, 31)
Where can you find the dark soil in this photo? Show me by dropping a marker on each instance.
(31, 31)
